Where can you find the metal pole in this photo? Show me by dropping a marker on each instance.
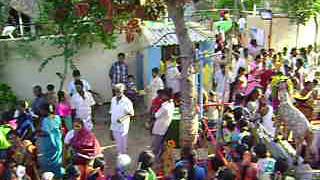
(200, 57)
(20, 24)
(270, 34)
(201, 86)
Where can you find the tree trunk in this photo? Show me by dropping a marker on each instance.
(297, 34)
(66, 66)
(189, 121)
(315, 18)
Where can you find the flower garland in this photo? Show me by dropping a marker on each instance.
(277, 80)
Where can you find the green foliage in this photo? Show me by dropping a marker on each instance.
(7, 97)
(4, 13)
(301, 10)
(229, 4)
(78, 23)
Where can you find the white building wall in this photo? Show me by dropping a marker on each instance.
(94, 64)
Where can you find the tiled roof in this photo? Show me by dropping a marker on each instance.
(163, 34)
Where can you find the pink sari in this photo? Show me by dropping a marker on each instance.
(85, 145)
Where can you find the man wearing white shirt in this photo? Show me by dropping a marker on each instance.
(81, 104)
(155, 85)
(163, 120)
(72, 87)
(121, 111)
(173, 77)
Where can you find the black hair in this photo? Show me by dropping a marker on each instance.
(180, 173)
(241, 149)
(261, 150)
(253, 41)
(187, 153)
(76, 73)
(48, 108)
(160, 92)
(239, 98)
(167, 92)
(226, 174)
(156, 70)
(140, 175)
(78, 82)
(98, 163)
(231, 125)
(248, 140)
(216, 163)
(61, 95)
(146, 158)
(300, 61)
(37, 87)
(130, 76)
(50, 87)
(73, 171)
(121, 55)
(241, 69)
(281, 165)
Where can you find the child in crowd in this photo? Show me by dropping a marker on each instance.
(141, 175)
(98, 172)
(212, 112)
(51, 95)
(64, 110)
(131, 91)
(26, 127)
(155, 106)
(180, 173)
(266, 164)
(145, 162)
(122, 170)
(188, 161)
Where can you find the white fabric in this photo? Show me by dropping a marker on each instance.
(83, 107)
(72, 87)
(121, 141)
(240, 63)
(223, 86)
(268, 123)
(47, 176)
(118, 110)
(242, 23)
(163, 118)
(155, 85)
(265, 168)
(68, 137)
(172, 78)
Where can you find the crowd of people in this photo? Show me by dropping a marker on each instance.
(54, 138)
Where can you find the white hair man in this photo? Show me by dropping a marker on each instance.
(121, 111)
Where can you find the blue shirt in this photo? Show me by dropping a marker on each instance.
(199, 172)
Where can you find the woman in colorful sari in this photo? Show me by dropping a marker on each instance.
(49, 142)
(304, 100)
(84, 146)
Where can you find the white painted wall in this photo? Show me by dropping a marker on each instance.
(284, 32)
(94, 64)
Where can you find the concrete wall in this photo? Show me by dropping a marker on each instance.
(94, 64)
(284, 31)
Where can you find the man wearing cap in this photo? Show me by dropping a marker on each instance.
(121, 111)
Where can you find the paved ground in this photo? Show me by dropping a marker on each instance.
(139, 138)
